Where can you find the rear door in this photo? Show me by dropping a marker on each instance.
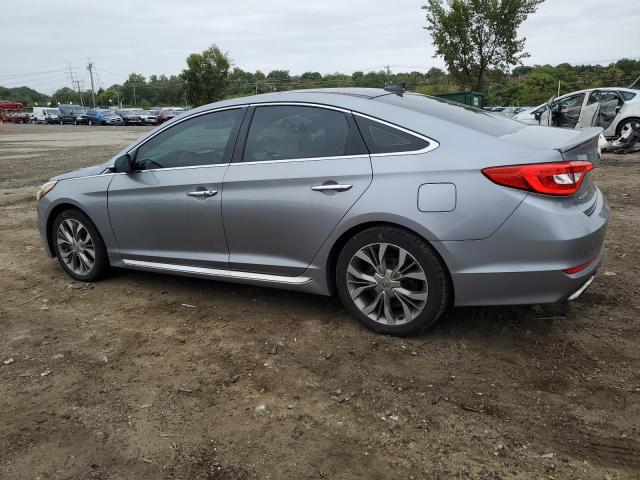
(299, 172)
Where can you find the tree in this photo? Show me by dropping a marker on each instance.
(473, 36)
(206, 77)
(66, 95)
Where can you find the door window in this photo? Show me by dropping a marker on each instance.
(282, 132)
(610, 104)
(203, 140)
(566, 112)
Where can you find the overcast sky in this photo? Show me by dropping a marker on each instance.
(39, 37)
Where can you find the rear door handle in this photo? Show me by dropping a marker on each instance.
(336, 187)
(203, 193)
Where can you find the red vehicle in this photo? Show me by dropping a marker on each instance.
(13, 112)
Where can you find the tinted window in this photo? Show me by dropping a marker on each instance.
(286, 132)
(202, 140)
(381, 138)
(454, 112)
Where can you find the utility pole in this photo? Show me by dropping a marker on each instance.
(75, 83)
(388, 75)
(93, 91)
(135, 103)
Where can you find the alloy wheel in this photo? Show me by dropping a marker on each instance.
(76, 246)
(387, 283)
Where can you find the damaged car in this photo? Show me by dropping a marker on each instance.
(613, 109)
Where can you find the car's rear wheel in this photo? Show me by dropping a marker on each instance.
(392, 281)
(626, 125)
(79, 246)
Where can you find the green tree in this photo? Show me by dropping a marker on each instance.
(206, 77)
(473, 36)
(66, 95)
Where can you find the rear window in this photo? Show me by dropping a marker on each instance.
(463, 115)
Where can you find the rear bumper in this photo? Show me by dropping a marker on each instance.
(523, 262)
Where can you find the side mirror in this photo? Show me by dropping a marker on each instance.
(123, 164)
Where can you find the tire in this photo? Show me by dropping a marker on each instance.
(623, 123)
(63, 248)
(421, 293)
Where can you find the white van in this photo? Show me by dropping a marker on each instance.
(45, 115)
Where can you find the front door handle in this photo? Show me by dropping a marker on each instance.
(203, 193)
(336, 187)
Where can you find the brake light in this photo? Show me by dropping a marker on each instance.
(562, 178)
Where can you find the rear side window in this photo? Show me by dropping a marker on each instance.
(282, 132)
(382, 138)
(627, 95)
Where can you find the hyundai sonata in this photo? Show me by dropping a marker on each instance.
(400, 203)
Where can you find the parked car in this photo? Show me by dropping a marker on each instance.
(13, 112)
(612, 109)
(147, 117)
(46, 115)
(363, 192)
(98, 116)
(164, 114)
(509, 112)
(130, 116)
(75, 114)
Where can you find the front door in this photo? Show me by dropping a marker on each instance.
(168, 210)
(301, 170)
(589, 113)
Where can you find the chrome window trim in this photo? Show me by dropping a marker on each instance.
(220, 273)
(433, 144)
(301, 104)
(208, 165)
(289, 160)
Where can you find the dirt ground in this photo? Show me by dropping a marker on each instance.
(148, 376)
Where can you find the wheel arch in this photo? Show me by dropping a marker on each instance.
(53, 214)
(336, 248)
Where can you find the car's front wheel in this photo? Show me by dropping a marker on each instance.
(392, 281)
(79, 246)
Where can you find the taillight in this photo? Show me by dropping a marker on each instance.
(562, 178)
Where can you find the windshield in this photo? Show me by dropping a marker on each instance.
(457, 113)
(52, 111)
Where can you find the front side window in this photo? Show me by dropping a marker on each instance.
(566, 112)
(281, 132)
(382, 138)
(202, 140)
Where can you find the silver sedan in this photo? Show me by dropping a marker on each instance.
(400, 203)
